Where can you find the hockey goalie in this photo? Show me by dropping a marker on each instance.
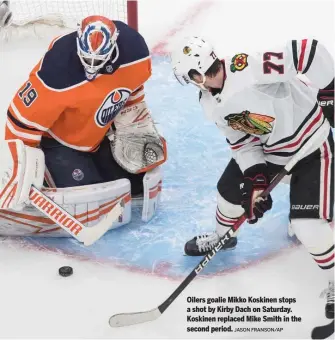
(80, 130)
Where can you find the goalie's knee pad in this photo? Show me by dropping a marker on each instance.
(226, 214)
(89, 204)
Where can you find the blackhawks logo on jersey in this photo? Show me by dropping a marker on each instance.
(251, 123)
(239, 62)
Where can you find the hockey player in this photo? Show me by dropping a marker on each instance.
(5, 14)
(82, 114)
(267, 114)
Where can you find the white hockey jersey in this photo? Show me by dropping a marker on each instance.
(265, 111)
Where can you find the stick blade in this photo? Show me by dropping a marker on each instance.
(323, 332)
(93, 234)
(128, 319)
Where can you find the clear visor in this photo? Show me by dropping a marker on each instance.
(185, 80)
(182, 79)
(93, 61)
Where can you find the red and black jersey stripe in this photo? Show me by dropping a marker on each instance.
(247, 139)
(325, 260)
(300, 50)
(288, 146)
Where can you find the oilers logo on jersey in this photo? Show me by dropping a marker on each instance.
(111, 106)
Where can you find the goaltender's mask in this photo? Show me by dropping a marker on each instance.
(96, 44)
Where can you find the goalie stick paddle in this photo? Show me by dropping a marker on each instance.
(86, 235)
(323, 332)
(127, 319)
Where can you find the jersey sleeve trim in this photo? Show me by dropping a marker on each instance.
(311, 56)
(300, 50)
(291, 146)
(302, 54)
(23, 135)
(18, 123)
(137, 94)
(136, 97)
(135, 62)
(247, 139)
(57, 90)
(239, 140)
(295, 54)
(24, 120)
(135, 101)
(300, 130)
(56, 39)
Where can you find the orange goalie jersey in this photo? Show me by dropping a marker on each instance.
(59, 102)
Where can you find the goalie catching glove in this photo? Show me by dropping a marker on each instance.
(135, 143)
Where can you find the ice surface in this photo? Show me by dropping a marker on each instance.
(138, 266)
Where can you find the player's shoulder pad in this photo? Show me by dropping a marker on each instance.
(132, 45)
(61, 68)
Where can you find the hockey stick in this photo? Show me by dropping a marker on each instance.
(87, 235)
(127, 319)
(323, 332)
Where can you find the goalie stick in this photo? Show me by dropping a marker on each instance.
(86, 235)
(127, 319)
(323, 332)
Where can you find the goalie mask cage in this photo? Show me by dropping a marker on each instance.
(66, 14)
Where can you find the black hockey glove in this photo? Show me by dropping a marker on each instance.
(326, 101)
(256, 180)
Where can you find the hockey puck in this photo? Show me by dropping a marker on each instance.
(65, 271)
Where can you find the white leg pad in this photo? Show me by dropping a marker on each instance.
(152, 187)
(89, 204)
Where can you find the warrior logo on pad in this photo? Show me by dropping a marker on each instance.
(111, 106)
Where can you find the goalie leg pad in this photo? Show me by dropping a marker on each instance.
(89, 204)
(21, 167)
(152, 187)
